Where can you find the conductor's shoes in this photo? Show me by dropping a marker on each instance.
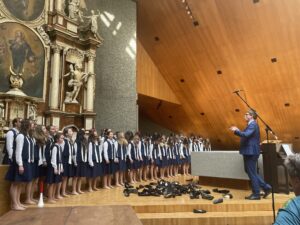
(267, 192)
(253, 197)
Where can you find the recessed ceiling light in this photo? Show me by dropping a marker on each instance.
(156, 38)
(202, 114)
(237, 110)
(219, 72)
(182, 80)
(196, 23)
(286, 104)
(274, 60)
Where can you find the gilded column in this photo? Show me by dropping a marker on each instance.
(90, 82)
(54, 91)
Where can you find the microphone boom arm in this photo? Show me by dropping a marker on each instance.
(268, 128)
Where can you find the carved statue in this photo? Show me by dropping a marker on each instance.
(32, 112)
(74, 9)
(93, 21)
(1, 110)
(76, 81)
(2, 121)
(16, 80)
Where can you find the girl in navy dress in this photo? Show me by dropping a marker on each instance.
(50, 132)
(185, 157)
(74, 148)
(24, 160)
(129, 137)
(145, 151)
(121, 148)
(163, 157)
(95, 159)
(81, 158)
(170, 146)
(109, 153)
(155, 157)
(29, 188)
(55, 169)
(10, 150)
(38, 168)
(176, 154)
(41, 136)
(68, 151)
(139, 146)
(134, 160)
(151, 159)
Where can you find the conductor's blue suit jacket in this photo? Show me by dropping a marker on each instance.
(250, 139)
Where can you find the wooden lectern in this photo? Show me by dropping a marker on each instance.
(275, 173)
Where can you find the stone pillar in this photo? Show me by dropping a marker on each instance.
(90, 83)
(51, 5)
(59, 5)
(54, 91)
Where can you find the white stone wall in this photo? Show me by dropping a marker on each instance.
(115, 69)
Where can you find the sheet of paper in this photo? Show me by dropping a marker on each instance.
(287, 149)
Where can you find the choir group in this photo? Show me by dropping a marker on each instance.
(38, 153)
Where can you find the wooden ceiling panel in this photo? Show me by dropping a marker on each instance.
(239, 39)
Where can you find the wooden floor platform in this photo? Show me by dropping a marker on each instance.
(179, 210)
(79, 215)
(210, 218)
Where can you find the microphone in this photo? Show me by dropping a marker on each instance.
(274, 135)
(237, 91)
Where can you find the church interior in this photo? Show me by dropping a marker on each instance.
(133, 111)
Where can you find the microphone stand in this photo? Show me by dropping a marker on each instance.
(267, 129)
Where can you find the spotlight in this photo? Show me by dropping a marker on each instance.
(189, 12)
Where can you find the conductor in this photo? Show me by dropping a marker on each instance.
(249, 148)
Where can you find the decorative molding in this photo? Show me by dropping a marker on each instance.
(90, 55)
(2, 15)
(74, 56)
(56, 48)
(43, 15)
(44, 35)
(74, 9)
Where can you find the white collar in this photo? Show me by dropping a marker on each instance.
(110, 140)
(250, 121)
(15, 129)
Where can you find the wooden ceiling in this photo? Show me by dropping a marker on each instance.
(239, 38)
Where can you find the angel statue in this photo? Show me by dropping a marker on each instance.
(93, 21)
(76, 81)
